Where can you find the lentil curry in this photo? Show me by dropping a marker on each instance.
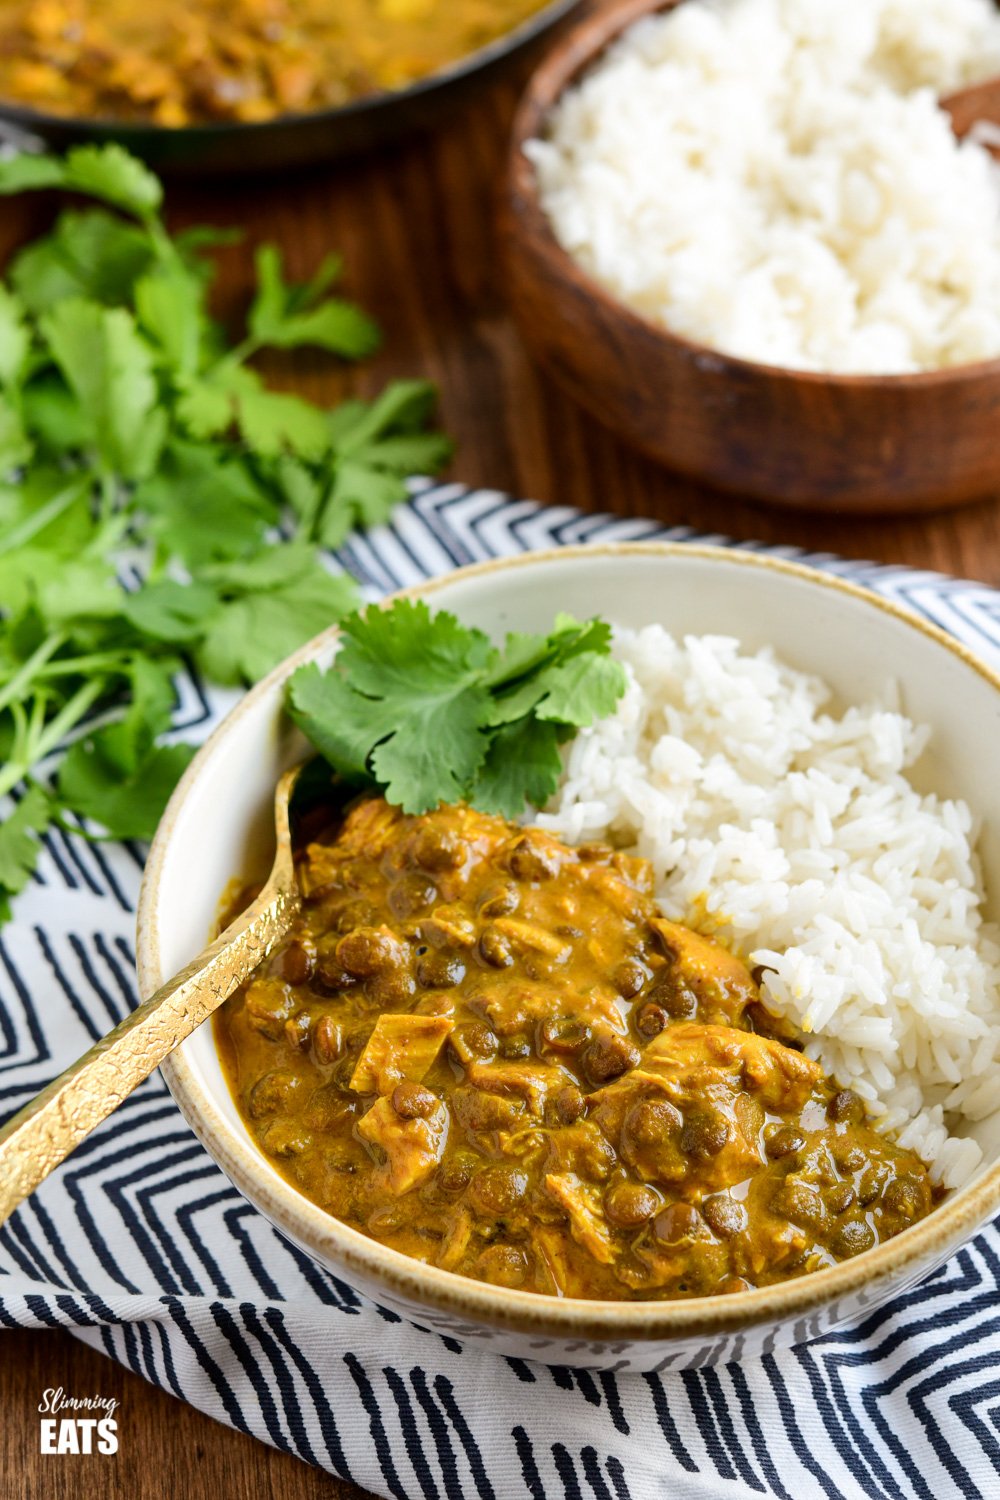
(214, 60)
(491, 1052)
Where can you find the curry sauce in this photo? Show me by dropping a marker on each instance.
(238, 60)
(491, 1052)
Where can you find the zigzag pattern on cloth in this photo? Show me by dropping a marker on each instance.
(141, 1246)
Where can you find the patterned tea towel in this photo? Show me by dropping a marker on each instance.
(140, 1245)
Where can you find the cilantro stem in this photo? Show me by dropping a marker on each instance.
(108, 496)
(238, 355)
(17, 536)
(109, 662)
(68, 716)
(27, 672)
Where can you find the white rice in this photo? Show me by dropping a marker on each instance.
(794, 834)
(775, 179)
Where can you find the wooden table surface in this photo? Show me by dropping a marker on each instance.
(415, 225)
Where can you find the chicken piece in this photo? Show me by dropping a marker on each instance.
(401, 1046)
(530, 1081)
(694, 1108)
(367, 831)
(642, 1115)
(582, 1202)
(512, 1006)
(447, 928)
(531, 937)
(625, 898)
(446, 844)
(780, 1078)
(582, 1149)
(696, 1127)
(609, 1105)
(482, 1113)
(413, 1147)
(553, 1253)
(721, 982)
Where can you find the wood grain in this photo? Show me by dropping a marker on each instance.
(168, 1451)
(417, 228)
(978, 104)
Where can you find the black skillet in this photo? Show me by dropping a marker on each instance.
(287, 140)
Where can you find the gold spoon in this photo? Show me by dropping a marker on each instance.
(44, 1132)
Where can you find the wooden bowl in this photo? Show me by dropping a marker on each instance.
(865, 443)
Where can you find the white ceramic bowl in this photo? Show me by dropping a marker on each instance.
(217, 826)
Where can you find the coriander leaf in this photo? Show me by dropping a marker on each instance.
(97, 781)
(107, 172)
(322, 279)
(42, 278)
(114, 174)
(111, 173)
(286, 317)
(271, 301)
(149, 710)
(92, 254)
(204, 237)
(170, 307)
(271, 422)
(63, 588)
(16, 446)
(20, 833)
(522, 764)
(27, 170)
(205, 410)
(117, 776)
(301, 489)
(414, 692)
(551, 669)
(591, 635)
(324, 706)
(404, 406)
(267, 568)
(582, 689)
(337, 326)
(169, 611)
(342, 420)
(15, 339)
(360, 497)
(128, 418)
(48, 510)
(25, 632)
(268, 607)
(55, 416)
(108, 366)
(408, 453)
(425, 706)
(203, 504)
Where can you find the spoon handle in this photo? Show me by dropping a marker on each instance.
(46, 1130)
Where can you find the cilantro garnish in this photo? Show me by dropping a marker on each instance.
(431, 711)
(129, 418)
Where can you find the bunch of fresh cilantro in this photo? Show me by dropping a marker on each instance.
(431, 711)
(128, 420)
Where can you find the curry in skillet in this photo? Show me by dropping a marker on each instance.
(491, 1052)
(235, 60)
